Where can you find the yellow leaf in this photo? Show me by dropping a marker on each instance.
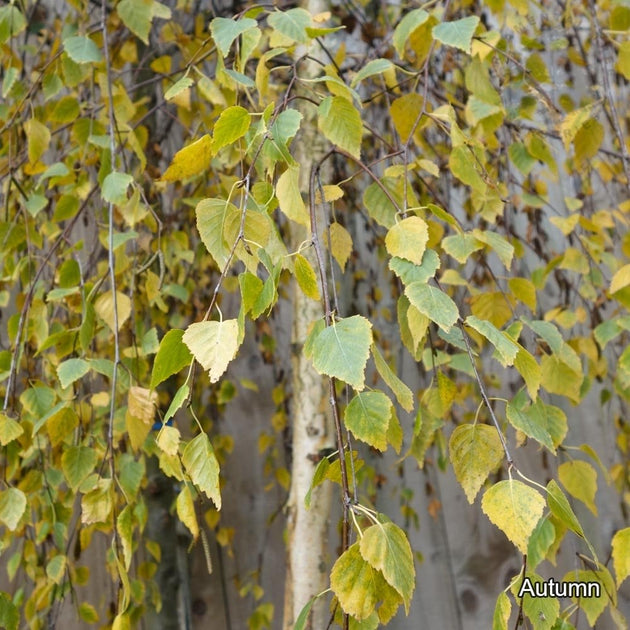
(476, 451)
(580, 480)
(331, 193)
(104, 307)
(306, 278)
(621, 554)
(213, 344)
(141, 404)
(289, 197)
(515, 508)
(404, 112)
(186, 511)
(189, 161)
(621, 279)
(38, 136)
(408, 239)
(168, 440)
(340, 244)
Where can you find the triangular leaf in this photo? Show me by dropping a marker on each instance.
(515, 508)
(340, 122)
(458, 33)
(476, 451)
(367, 416)
(407, 239)
(433, 303)
(201, 464)
(342, 350)
(191, 160)
(213, 344)
(172, 356)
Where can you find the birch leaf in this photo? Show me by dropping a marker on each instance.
(213, 344)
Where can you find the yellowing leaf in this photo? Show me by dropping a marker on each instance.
(104, 307)
(12, 507)
(289, 197)
(168, 439)
(55, 569)
(213, 344)
(530, 371)
(292, 23)
(185, 507)
(97, 505)
(342, 350)
(580, 480)
(9, 429)
(621, 554)
(232, 124)
(401, 391)
(339, 120)
(367, 416)
(38, 137)
(621, 279)
(141, 404)
(407, 239)
(340, 244)
(476, 451)
(386, 548)
(137, 15)
(525, 291)
(515, 508)
(306, 278)
(410, 22)
(355, 583)
(404, 112)
(573, 122)
(82, 50)
(191, 160)
(78, 463)
(201, 464)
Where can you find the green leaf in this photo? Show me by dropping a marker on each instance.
(342, 349)
(502, 611)
(224, 31)
(172, 356)
(232, 124)
(301, 621)
(538, 421)
(515, 508)
(201, 464)
(292, 23)
(136, 15)
(178, 87)
(386, 548)
(9, 429)
(213, 344)
(433, 303)
(401, 391)
(498, 244)
(561, 509)
(410, 22)
(475, 452)
(9, 613)
(212, 216)
(72, 370)
(458, 33)
(408, 272)
(376, 66)
(542, 612)
(189, 161)
(82, 50)
(593, 605)
(463, 165)
(177, 402)
(306, 278)
(367, 416)
(56, 568)
(408, 239)
(340, 122)
(621, 554)
(461, 246)
(506, 348)
(77, 463)
(12, 507)
(114, 188)
(540, 542)
(580, 480)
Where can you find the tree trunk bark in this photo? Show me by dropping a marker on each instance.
(308, 561)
